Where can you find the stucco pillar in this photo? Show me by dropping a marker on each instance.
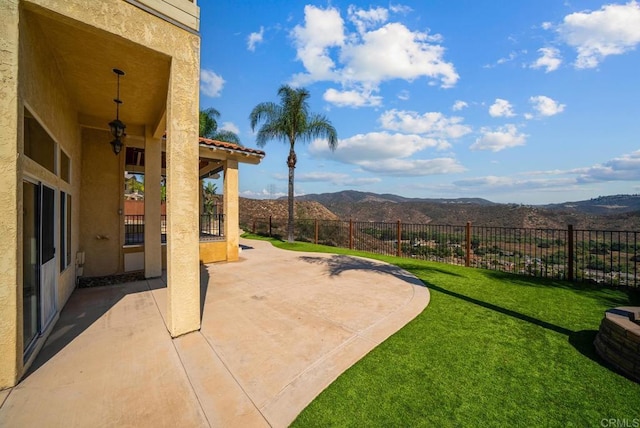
(10, 201)
(183, 270)
(152, 231)
(231, 216)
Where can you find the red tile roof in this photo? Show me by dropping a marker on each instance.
(230, 146)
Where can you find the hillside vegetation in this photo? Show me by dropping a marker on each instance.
(263, 208)
(619, 212)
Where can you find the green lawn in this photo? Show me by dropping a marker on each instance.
(491, 349)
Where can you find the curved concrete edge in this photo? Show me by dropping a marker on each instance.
(297, 395)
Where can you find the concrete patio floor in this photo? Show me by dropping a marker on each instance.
(277, 328)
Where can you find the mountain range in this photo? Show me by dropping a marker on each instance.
(616, 212)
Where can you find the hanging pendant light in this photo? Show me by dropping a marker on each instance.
(116, 126)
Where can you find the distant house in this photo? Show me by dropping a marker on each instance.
(61, 205)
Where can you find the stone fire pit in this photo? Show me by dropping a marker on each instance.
(618, 340)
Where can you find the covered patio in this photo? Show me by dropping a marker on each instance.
(275, 332)
(218, 230)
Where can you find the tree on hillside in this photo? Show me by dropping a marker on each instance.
(291, 121)
(209, 127)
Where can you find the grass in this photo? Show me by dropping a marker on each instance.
(491, 349)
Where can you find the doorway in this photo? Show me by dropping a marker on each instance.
(39, 261)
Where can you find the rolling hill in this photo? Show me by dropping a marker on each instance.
(619, 212)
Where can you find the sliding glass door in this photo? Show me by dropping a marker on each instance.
(39, 260)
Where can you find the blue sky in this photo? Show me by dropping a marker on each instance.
(522, 101)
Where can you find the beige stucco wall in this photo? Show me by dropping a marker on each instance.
(27, 61)
(132, 23)
(183, 268)
(152, 204)
(231, 209)
(215, 251)
(45, 94)
(101, 198)
(10, 272)
(29, 76)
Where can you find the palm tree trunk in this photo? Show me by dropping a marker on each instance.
(291, 163)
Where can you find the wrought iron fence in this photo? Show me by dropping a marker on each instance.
(133, 229)
(603, 257)
(211, 228)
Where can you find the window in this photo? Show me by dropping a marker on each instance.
(38, 145)
(65, 230)
(65, 167)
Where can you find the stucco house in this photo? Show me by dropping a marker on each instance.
(63, 63)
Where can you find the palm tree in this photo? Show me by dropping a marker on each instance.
(209, 127)
(209, 191)
(291, 121)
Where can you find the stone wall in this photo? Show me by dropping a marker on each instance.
(618, 340)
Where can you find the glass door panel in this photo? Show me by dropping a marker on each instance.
(31, 262)
(48, 256)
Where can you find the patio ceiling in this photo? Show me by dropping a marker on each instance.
(134, 162)
(86, 57)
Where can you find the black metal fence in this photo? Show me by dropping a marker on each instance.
(604, 257)
(211, 228)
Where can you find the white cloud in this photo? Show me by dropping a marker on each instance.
(376, 51)
(254, 39)
(414, 167)
(374, 146)
(365, 19)
(262, 194)
(549, 59)
(612, 30)
(459, 105)
(546, 25)
(230, 126)
(336, 178)
(404, 95)
(211, 84)
(492, 182)
(385, 153)
(545, 106)
(395, 52)
(501, 108)
(351, 98)
(512, 56)
(623, 168)
(323, 29)
(432, 124)
(499, 139)
(400, 8)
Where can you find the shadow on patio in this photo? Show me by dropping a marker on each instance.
(86, 306)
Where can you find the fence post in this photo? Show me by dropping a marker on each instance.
(350, 234)
(399, 240)
(467, 257)
(269, 226)
(570, 252)
(316, 221)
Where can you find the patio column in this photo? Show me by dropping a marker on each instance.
(231, 217)
(10, 202)
(183, 269)
(152, 197)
